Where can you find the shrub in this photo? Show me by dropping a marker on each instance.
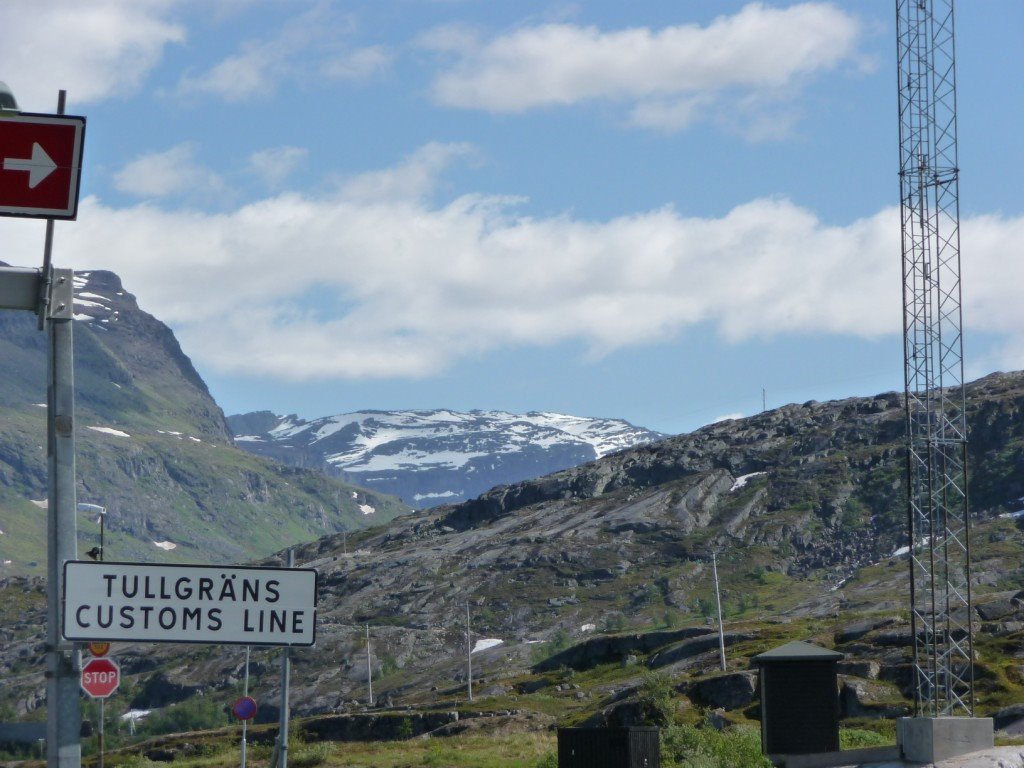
(311, 755)
(688, 746)
(655, 697)
(405, 728)
(195, 714)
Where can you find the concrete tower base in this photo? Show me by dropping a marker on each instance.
(930, 739)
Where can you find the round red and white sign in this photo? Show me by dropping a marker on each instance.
(244, 708)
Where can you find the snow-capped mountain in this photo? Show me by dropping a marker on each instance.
(440, 456)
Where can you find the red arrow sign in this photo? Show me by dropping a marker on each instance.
(100, 677)
(40, 165)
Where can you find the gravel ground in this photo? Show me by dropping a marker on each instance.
(999, 757)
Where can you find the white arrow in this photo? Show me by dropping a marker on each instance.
(39, 166)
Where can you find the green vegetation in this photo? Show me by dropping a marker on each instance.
(656, 701)
(195, 714)
(221, 750)
(691, 746)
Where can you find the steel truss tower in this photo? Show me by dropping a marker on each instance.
(938, 522)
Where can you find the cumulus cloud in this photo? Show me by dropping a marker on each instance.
(274, 164)
(96, 50)
(311, 44)
(414, 178)
(669, 77)
(355, 285)
(172, 172)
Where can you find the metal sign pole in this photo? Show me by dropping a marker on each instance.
(286, 668)
(245, 692)
(64, 714)
(64, 711)
(49, 293)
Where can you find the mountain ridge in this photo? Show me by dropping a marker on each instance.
(428, 456)
(583, 582)
(152, 447)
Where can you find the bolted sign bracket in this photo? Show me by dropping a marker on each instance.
(21, 288)
(62, 301)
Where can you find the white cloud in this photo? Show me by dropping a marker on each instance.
(275, 164)
(413, 179)
(172, 172)
(358, 64)
(671, 76)
(311, 44)
(95, 50)
(373, 281)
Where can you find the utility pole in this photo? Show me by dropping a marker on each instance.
(369, 668)
(718, 605)
(938, 524)
(469, 656)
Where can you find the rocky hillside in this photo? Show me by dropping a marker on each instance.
(152, 447)
(431, 457)
(580, 582)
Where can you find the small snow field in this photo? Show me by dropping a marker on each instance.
(109, 431)
(741, 481)
(445, 495)
(484, 643)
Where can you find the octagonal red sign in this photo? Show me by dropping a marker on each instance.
(100, 677)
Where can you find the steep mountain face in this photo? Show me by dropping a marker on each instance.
(152, 447)
(804, 506)
(441, 456)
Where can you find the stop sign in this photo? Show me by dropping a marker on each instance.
(100, 677)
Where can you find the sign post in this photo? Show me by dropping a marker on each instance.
(100, 678)
(40, 173)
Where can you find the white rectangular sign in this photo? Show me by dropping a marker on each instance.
(189, 604)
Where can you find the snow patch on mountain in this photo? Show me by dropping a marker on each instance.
(486, 642)
(461, 434)
(432, 456)
(109, 431)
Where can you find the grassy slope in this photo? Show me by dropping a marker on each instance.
(216, 502)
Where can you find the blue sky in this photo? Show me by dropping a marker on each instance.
(654, 211)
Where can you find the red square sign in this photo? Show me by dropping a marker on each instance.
(40, 165)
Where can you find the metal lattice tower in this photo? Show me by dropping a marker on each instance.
(938, 522)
